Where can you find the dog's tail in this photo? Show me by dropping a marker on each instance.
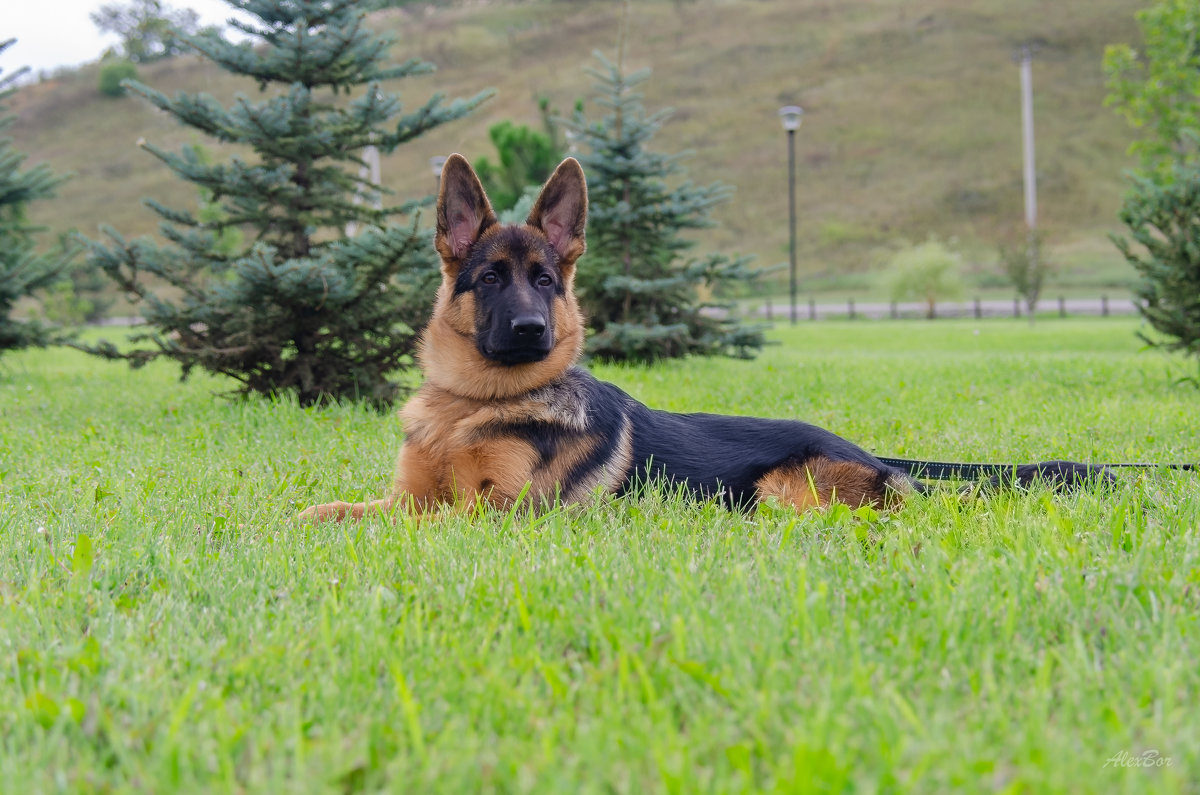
(1058, 475)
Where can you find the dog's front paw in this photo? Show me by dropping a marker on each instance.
(322, 513)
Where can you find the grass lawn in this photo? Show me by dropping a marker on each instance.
(165, 627)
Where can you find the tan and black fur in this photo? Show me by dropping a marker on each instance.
(504, 406)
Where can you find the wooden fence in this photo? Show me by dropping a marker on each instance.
(811, 309)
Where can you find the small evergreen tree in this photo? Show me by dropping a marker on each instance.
(299, 307)
(642, 298)
(22, 270)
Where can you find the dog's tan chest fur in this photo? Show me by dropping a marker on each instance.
(457, 447)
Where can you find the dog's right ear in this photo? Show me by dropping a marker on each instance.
(463, 211)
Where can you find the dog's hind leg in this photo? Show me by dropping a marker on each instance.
(817, 482)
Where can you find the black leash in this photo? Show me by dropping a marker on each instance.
(942, 470)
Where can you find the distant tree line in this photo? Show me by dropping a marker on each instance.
(149, 30)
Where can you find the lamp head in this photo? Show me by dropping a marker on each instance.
(790, 116)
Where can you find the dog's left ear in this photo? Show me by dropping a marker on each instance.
(561, 211)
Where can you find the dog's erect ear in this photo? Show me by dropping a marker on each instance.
(561, 211)
(463, 210)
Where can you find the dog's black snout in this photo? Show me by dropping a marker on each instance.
(529, 327)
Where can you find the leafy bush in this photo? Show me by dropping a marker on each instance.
(63, 306)
(1155, 88)
(80, 295)
(929, 272)
(526, 158)
(1025, 267)
(113, 74)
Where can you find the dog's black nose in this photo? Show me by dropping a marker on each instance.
(529, 327)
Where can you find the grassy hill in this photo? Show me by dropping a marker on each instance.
(912, 118)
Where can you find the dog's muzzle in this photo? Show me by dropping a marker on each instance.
(528, 338)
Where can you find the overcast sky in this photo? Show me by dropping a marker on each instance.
(53, 33)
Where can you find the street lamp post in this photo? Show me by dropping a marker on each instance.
(790, 116)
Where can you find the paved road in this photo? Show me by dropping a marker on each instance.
(983, 308)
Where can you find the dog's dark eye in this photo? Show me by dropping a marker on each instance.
(545, 281)
(489, 278)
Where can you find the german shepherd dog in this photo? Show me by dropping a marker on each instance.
(505, 414)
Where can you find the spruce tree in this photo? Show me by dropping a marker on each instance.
(22, 270)
(639, 291)
(299, 306)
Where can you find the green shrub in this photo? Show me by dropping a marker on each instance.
(63, 306)
(1025, 266)
(113, 74)
(929, 272)
(526, 158)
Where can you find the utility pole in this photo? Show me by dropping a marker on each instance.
(1025, 56)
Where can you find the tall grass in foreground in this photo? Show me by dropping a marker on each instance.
(165, 627)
